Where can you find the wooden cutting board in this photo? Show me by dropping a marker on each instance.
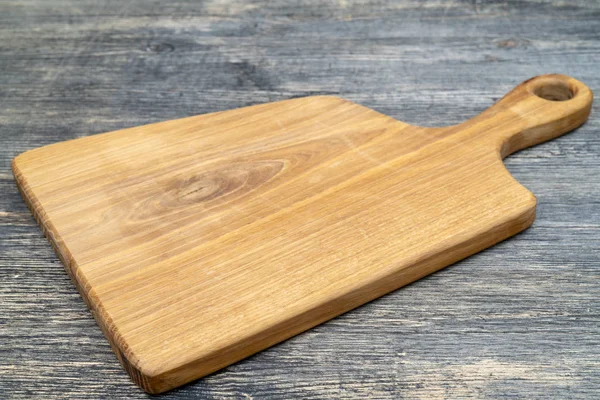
(200, 241)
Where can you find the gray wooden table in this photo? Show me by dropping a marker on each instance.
(520, 320)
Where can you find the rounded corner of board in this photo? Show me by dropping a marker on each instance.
(16, 164)
(146, 380)
(530, 208)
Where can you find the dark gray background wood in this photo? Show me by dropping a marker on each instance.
(518, 320)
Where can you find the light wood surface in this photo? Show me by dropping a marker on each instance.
(200, 241)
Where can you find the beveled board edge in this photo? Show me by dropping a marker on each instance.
(102, 318)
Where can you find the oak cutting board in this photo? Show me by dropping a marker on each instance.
(200, 241)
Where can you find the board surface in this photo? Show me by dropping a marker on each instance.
(198, 242)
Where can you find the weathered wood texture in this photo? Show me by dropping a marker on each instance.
(518, 320)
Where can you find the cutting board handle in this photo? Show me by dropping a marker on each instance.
(537, 110)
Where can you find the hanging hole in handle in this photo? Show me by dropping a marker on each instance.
(553, 90)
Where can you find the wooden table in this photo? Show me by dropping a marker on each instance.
(520, 320)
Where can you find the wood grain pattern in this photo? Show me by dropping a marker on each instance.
(77, 68)
(200, 241)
